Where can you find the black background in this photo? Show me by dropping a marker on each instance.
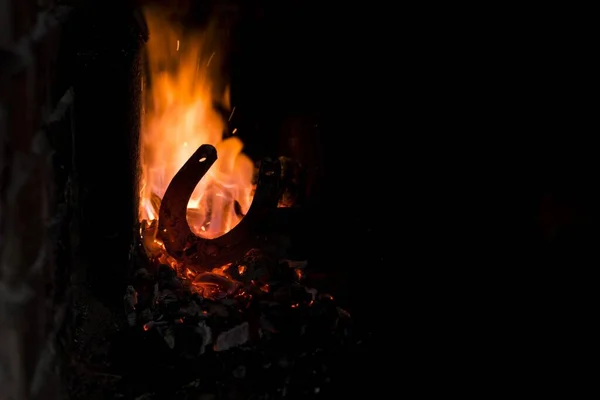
(288, 81)
(457, 201)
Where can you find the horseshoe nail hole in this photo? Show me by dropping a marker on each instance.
(202, 159)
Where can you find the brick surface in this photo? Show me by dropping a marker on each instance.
(26, 265)
(28, 319)
(23, 259)
(24, 224)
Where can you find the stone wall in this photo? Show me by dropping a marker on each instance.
(34, 110)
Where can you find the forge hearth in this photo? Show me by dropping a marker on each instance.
(249, 318)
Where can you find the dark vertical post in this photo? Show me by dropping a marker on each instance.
(107, 106)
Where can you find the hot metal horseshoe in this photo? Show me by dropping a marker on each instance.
(173, 229)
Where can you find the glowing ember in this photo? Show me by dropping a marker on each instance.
(180, 117)
(213, 285)
(189, 273)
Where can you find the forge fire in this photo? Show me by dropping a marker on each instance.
(213, 274)
(185, 93)
(196, 186)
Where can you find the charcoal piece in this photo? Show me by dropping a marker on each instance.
(325, 297)
(167, 296)
(191, 340)
(132, 319)
(169, 336)
(130, 299)
(239, 372)
(267, 325)
(296, 264)
(218, 310)
(155, 294)
(283, 295)
(196, 298)
(324, 316)
(168, 301)
(312, 292)
(192, 309)
(256, 265)
(173, 284)
(232, 338)
(168, 280)
(228, 302)
(283, 274)
(143, 275)
(146, 315)
(143, 281)
(206, 333)
(211, 285)
(155, 324)
(343, 313)
(279, 318)
(185, 293)
(299, 295)
(165, 273)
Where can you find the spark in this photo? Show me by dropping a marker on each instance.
(210, 59)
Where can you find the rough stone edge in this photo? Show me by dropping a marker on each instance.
(23, 48)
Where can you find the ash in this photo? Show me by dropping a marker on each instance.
(254, 329)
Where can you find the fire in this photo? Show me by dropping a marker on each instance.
(182, 89)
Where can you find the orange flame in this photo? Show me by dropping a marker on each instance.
(181, 116)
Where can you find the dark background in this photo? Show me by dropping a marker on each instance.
(454, 165)
(455, 201)
(284, 75)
